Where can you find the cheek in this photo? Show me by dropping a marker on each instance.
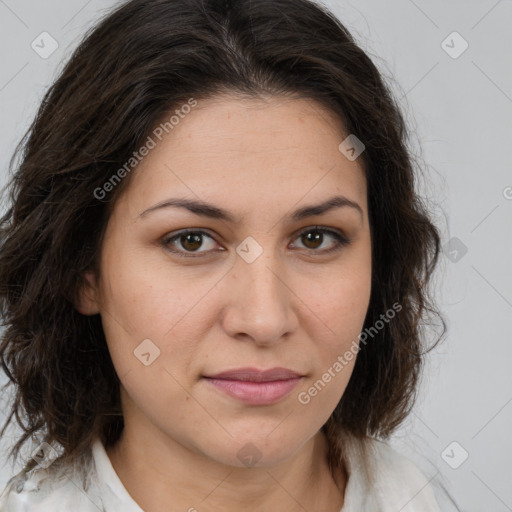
(148, 296)
(341, 306)
(147, 323)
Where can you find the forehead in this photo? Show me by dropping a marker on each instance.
(256, 127)
(250, 152)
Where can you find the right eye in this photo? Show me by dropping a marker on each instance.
(190, 241)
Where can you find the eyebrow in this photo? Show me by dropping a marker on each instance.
(209, 210)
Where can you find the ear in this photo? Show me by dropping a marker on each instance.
(87, 301)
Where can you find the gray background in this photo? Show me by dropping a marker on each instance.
(460, 110)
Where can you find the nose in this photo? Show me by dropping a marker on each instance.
(259, 302)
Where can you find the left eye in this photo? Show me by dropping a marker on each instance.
(190, 240)
(316, 237)
(312, 238)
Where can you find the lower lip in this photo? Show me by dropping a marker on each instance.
(256, 393)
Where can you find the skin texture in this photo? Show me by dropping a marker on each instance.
(291, 307)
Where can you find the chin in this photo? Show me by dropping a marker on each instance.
(259, 450)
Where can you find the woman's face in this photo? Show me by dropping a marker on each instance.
(253, 287)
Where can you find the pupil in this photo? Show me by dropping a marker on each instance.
(196, 241)
(313, 236)
(193, 241)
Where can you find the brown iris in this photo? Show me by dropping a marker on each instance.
(314, 237)
(192, 241)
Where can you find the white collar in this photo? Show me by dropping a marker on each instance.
(377, 480)
(109, 480)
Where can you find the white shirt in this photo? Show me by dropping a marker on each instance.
(388, 482)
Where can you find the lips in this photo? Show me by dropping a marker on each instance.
(255, 375)
(256, 387)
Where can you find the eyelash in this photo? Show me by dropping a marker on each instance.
(340, 241)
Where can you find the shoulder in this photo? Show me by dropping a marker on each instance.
(381, 479)
(399, 481)
(44, 489)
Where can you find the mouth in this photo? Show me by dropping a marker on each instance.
(256, 387)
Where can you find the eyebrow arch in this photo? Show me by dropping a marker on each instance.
(208, 210)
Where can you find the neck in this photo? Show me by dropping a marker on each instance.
(163, 475)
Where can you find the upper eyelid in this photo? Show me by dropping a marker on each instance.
(328, 230)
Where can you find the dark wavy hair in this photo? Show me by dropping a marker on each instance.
(140, 62)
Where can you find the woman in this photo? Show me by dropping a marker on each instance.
(213, 270)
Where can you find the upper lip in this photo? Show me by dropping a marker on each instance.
(255, 375)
